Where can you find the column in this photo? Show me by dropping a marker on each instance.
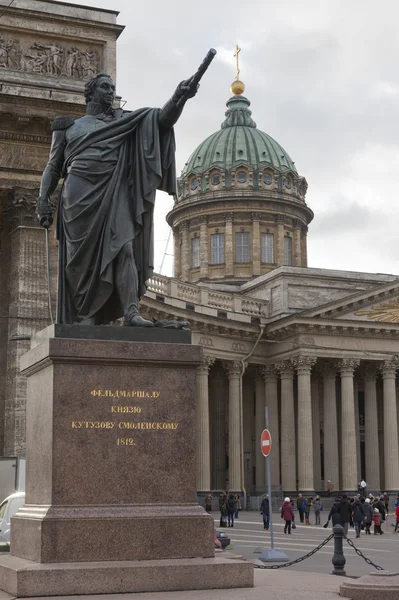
(280, 240)
(228, 244)
(28, 310)
(218, 454)
(256, 249)
(350, 476)
(391, 450)
(288, 447)
(203, 438)
(204, 247)
(315, 393)
(371, 428)
(271, 401)
(297, 261)
(260, 461)
(357, 429)
(304, 246)
(176, 255)
(330, 426)
(185, 252)
(303, 365)
(234, 371)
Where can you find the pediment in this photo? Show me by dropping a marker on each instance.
(379, 305)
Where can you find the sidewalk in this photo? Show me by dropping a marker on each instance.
(282, 584)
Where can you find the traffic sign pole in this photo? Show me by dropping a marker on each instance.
(272, 554)
(269, 485)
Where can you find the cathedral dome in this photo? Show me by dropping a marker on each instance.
(240, 209)
(239, 142)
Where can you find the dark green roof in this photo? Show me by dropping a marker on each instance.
(239, 142)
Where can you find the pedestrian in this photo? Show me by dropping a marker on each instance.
(377, 522)
(397, 518)
(334, 514)
(223, 509)
(330, 487)
(345, 513)
(386, 502)
(317, 509)
(368, 515)
(381, 507)
(301, 506)
(363, 487)
(238, 504)
(265, 511)
(231, 509)
(208, 503)
(287, 514)
(358, 516)
(309, 504)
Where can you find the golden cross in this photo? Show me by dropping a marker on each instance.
(236, 53)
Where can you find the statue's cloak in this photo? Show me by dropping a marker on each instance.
(107, 200)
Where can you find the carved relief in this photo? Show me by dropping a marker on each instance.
(21, 205)
(10, 54)
(49, 58)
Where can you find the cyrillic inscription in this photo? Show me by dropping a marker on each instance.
(125, 394)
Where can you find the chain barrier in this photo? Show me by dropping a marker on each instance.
(360, 553)
(309, 554)
(298, 560)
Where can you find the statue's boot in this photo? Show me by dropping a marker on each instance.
(138, 321)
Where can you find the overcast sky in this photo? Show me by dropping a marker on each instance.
(323, 80)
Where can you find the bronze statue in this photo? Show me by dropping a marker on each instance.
(112, 162)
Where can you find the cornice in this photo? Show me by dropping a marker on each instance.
(16, 17)
(275, 202)
(23, 138)
(298, 325)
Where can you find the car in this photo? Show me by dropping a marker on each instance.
(223, 538)
(8, 508)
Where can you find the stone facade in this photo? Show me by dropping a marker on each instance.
(329, 380)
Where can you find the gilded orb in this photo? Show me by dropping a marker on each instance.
(237, 87)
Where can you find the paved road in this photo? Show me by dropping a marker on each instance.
(248, 535)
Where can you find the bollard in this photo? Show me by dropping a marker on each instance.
(338, 559)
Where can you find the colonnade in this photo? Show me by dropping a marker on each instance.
(313, 418)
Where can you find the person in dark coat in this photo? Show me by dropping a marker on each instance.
(334, 513)
(386, 502)
(287, 514)
(301, 506)
(265, 511)
(231, 509)
(358, 516)
(381, 507)
(345, 513)
(223, 509)
(368, 515)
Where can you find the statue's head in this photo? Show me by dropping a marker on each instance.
(100, 89)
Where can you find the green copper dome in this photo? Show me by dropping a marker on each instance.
(239, 142)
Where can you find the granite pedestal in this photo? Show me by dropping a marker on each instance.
(111, 483)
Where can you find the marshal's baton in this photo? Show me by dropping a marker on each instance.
(196, 78)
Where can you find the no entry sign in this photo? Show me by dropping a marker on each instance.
(266, 442)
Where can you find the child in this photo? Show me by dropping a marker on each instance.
(397, 518)
(377, 522)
